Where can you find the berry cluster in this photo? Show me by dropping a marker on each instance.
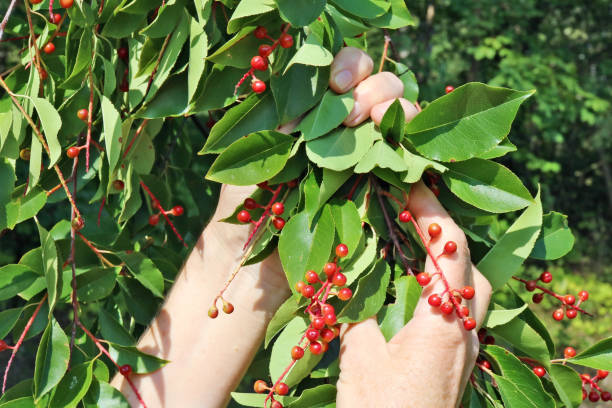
(260, 62)
(278, 208)
(176, 211)
(595, 392)
(570, 305)
(323, 328)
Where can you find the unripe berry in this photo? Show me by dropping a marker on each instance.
(24, 154)
(558, 314)
(327, 335)
(118, 185)
(468, 292)
(447, 308)
(537, 297)
(434, 300)
(312, 334)
(571, 313)
(250, 204)
(341, 250)
(329, 269)
(177, 210)
(72, 152)
(125, 370)
(260, 32)
(83, 114)
(297, 352)
(546, 277)
(278, 208)
(286, 41)
(259, 63)
(154, 219)
(315, 347)
(308, 291)
(539, 371)
(593, 396)
(78, 224)
(228, 308)
(469, 323)
(49, 48)
(583, 295)
(318, 323)
(281, 389)
(260, 386)
(339, 279)
(258, 86)
(345, 294)
(330, 319)
(449, 89)
(123, 53)
(279, 223)
(569, 299)
(405, 216)
(57, 18)
(434, 230)
(450, 247)
(244, 216)
(324, 347)
(602, 374)
(299, 286)
(3, 345)
(213, 312)
(265, 50)
(606, 396)
(423, 278)
(312, 277)
(569, 352)
(531, 285)
(66, 3)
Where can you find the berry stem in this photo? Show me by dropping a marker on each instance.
(6, 17)
(553, 294)
(349, 196)
(95, 250)
(383, 58)
(73, 295)
(36, 57)
(158, 205)
(138, 131)
(261, 219)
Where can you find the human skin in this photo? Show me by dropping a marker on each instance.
(425, 365)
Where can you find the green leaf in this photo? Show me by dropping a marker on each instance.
(327, 115)
(252, 159)
(7, 182)
(51, 359)
(285, 313)
(487, 185)
(360, 259)
(393, 122)
(96, 283)
(518, 385)
(363, 8)
(342, 148)
(417, 165)
(369, 296)
(395, 316)
(53, 277)
(168, 16)
(499, 316)
(198, 49)
(311, 53)
(556, 238)
(316, 194)
(112, 132)
(83, 60)
(141, 363)
(465, 123)
(113, 331)
(397, 17)
(238, 51)
(8, 319)
(317, 397)
(255, 113)
(73, 386)
(145, 271)
(348, 223)
(383, 156)
(300, 12)
(597, 356)
(218, 89)
(102, 394)
(22, 208)
(23, 402)
(505, 258)
(567, 383)
(51, 124)
(302, 247)
(249, 399)
(248, 8)
(14, 279)
(523, 337)
(506, 146)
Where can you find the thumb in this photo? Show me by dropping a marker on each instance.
(360, 344)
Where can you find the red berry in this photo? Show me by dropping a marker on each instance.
(260, 386)
(308, 291)
(558, 314)
(537, 297)
(125, 370)
(539, 371)
(327, 335)
(282, 389)
(154, 219)
(339, 279)
(318, 323)
(278, 222)
(571, 313)
(66, 3)
(583, 295)
(244, 216)
(43, 75)
(3, 345)
(330, 319)
(312, 277)
(570, 299)
(250, 204)
(341, 250)
(228, 308)
(469, 323)
(327, 308)
(449, 89)
(299, 286)
(83, 114)
(434, 230)
(329, 269)
(265, 50)
(297, 352)
(286, 41)
(118, 185)
(569, 352)
(49, 48)
(345, 294)
(546, 277)
(123, 53)
(593, 396)
(258, 86)
(486, 364)
(124, 86)
(464, 311)
(606, 396)
(423, 278)
(278, 208)
(177, 210)
(467, 292)
(36, 1)
(584, 394)
(481, 334)
(260, 32)
(292, 184)
(315, 347)
(57, 18)
(602, 373)
(531, 285)
(434, 300)
(213, 312)
(259, 63)
(489, 340)
(276, 404)
(450, 247)
(72, 152)
(446, 308)
(312, 334)
(405, 216)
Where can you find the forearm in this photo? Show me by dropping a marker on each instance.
(208, 357)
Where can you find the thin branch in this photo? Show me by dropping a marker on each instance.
(33, 37)
(6, 17)
(75, 303)
(384, 55)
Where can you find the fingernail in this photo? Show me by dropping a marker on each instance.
(343, 79)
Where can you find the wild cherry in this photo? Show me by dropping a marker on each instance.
(154, 219)
(264, 50)
(606, 396)
(450, 247)
(3, 345)
(539, 371)
(318, 323)
(423, 278)
(278, 208)
(259, 63)
(292, 184)
(315, 347)
(260, 386)
(464, 311)
(228, 308)
(449, 89)
(24, 154)
(282, 389)
(258, 86)
(341, 250)
(468, 292)
(49, 48)
(213, 312)
(43, 74)
(118, 185)
(78, 224)
(593, 396)
(276, 404)
(177, 210)
(312, 277)
(286, 41)
(124, 86)
(558, 314)
(66, 3)
(345, 294)
(330, 319)
(123, 53)
(537, 297)
(546, 277)
(260, 32)
(329, 269)
(250, 204)
(278, 222)
(83, 114)
(434, 300)
(57, 18)
(312, 334)
(72, 152)
(405, 216)
(571, 313)
(583, 295)
(339, 279)
(308, 291)
(434, 230)
(569, 352)
(125, 370)
(469, 323)
(446, 308)
(531, 285)
(299, 285)
(244, 216)
(327, 308)
(327, 335)
(569, 299)
(297, 352)
(602, 374)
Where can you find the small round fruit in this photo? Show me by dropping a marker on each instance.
(464, 311)
(329, 269)
(602, 373)
(259, 63)
(569, 299)
(558, 314)
(49, 48)
(539, 371)
(66, 3)
(286, 41)
(569, 352)
(327, 335)
(330, 319)
(72, 152)
(449, 89)
(311, 277)
(299, 285)
(341, 250)
(178, 210)
(124, 86)
(264, 50)
(339, 279)
(250, 204)
(486, 364)
(123, 53)
(3, 345)
(260, 386)
(244, 216)
(118, 185)
(468, 292)
(606, 396)
(258, 86)
(276, 404)
(327, 308)
(213, 312)
(83, 114)
(583, 295)
(593, 396)
(489, 340)
(446, 308)
(318, 323)
(345, 294)
(308, 291)
(57, 18)
(315, 347)
(450, 247)
(434, 230)
(43, 75)
(546, 277)
(154, 219)
(537, 297)
(571, 313)
(260, 32)
(423, 278)
(125, 370)
(24, 154)
(281, 389)
(434, 300)
(469, 323)
(297, 352)
(228, 308)
(531, 285)
(405, 216)
(312, 334)
(278, 208)
(279, 223)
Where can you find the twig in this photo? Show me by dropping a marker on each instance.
(95, 250)
(36, 58)
(138, 131)
(394, 52)
(384, 55)
(73, 297)
(6, 17)
(158, 205)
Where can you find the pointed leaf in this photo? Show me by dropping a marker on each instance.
(327, 115)
(369, 296)
(342, 148)
(51, 359)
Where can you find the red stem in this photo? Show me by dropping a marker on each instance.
(159, 206)
(264, 215)
(89, 116)
(349, 196)
(138, 131)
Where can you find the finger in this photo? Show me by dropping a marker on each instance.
(351, 66)
(371, 91)
(359, 343)
(379, 110)
(482, 296)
